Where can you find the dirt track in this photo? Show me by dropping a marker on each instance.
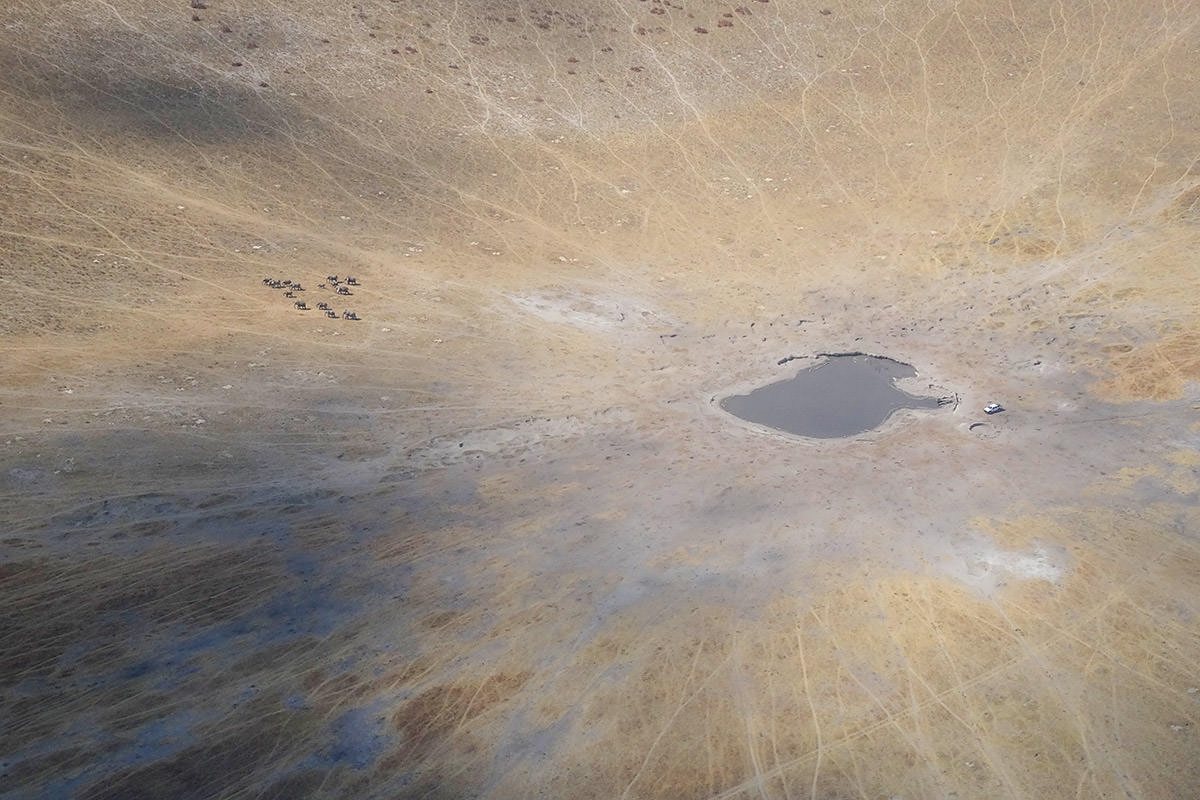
(496, 539)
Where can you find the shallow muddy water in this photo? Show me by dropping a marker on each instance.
(838, 397)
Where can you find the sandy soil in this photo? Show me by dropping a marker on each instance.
(496, 539)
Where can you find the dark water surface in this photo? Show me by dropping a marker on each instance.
(840, 396)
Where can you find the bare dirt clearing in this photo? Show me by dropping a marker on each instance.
(496, 539)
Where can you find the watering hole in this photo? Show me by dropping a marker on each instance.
(840, 396)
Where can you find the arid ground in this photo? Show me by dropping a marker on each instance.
(496, 538)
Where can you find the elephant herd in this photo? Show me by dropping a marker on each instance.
(339, 285)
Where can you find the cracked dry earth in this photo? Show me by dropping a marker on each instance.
(497, 539)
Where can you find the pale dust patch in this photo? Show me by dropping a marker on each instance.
(591, 312)
(988, 569)
(514, 438)
(510, 440)
(1020, 549)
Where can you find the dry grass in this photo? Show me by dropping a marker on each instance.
(495, 539)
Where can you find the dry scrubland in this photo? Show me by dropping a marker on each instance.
(496, 540)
